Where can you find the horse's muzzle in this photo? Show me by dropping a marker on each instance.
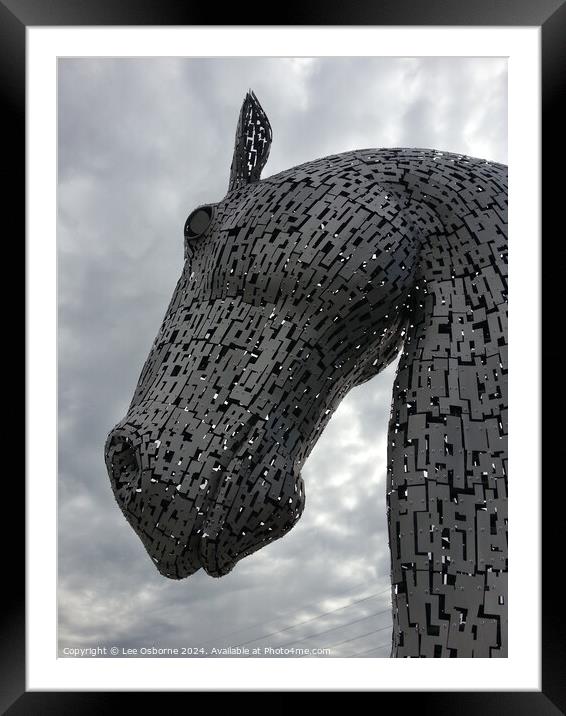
(194, 509)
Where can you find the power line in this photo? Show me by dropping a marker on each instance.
(320, 616)
(340, 626)
(369, 651)
(360, 636)
(280, 616)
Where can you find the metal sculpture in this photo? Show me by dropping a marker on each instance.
(296, 288)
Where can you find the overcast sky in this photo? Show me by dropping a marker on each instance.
(141, 143)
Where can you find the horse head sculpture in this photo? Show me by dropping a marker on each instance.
(295, 289)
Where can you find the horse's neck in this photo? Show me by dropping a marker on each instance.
(447, 472)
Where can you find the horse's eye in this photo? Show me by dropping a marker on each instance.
(198, 222)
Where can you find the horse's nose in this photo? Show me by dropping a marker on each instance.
(167, 525)
(123, 463)
(206, 506)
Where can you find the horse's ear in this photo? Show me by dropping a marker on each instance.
(253, 141)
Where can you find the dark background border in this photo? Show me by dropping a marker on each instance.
(550, 15)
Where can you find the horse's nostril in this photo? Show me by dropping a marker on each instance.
(122, 460)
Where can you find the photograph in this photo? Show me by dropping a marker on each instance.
(269, 410)
(282, 357)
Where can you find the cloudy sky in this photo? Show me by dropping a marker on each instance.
(141, 143)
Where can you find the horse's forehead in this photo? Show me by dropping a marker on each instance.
(312, 228)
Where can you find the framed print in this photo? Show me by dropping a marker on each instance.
(135, 130)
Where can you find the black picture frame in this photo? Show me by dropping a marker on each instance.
(550, 16)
